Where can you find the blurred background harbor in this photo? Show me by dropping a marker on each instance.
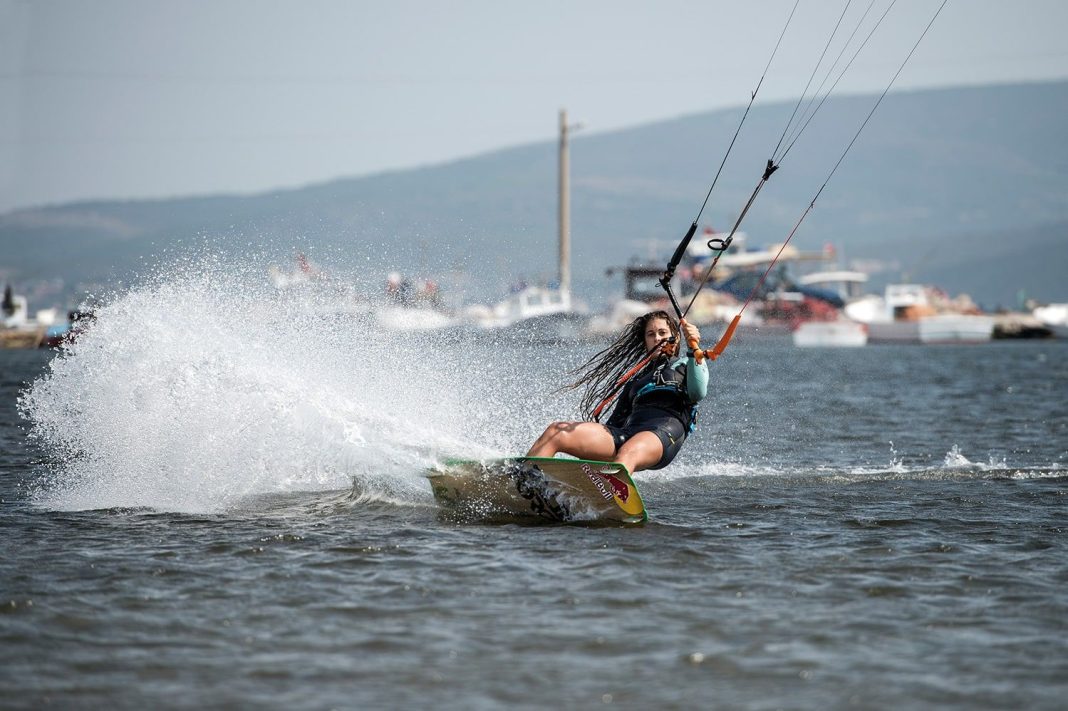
(810, 296)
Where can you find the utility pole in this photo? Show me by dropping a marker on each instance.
(564, 209)
(565, 204)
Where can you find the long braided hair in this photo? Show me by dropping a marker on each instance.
(600, 373)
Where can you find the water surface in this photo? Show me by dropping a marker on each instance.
(238, 517)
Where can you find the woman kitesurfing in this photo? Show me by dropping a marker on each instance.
(657, 396)
(656, 409)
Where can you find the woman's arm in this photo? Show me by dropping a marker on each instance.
(696, 379)
(696, 373)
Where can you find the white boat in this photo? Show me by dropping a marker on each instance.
(410, 318)
(611, 322)
(532, 306)
(643, 293)
(836, 288)
(1055, 316)
(845, 284)
(17, 329)
(939, 328)
(906, 314)
(535, 310)
(1018, 325)
(842, 333)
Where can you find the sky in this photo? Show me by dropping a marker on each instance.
(123, 99)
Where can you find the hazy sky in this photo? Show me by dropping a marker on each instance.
(136, 98)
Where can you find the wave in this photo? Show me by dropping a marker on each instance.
(954, 465)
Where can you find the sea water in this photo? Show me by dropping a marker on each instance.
(216, 498)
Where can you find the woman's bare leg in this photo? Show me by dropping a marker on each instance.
(641, 451)
(585, 440)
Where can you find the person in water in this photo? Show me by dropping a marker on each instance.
(656, 409)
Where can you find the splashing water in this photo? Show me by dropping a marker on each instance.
(208, 385)
(955, 459)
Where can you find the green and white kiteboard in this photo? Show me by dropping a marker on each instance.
(571, 490)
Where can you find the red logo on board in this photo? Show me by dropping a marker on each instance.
(619, 488)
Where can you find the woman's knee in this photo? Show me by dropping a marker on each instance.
(560, 429)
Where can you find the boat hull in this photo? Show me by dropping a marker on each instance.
(941, 328)
(830, 334)
(21, 337)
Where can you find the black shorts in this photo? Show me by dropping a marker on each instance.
(670, 430)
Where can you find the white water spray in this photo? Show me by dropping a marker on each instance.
(209, 385)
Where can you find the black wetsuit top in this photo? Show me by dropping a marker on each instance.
(658, 400)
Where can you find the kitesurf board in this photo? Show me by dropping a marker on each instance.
(556, 489)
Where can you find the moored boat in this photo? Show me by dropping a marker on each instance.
(546, 311)
(1055, 317)
(18, 329)
(912, 313)
(842, 333)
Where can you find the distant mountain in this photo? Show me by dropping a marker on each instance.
(966, 188)
(999, 268)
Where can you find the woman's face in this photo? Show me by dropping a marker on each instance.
(656, 330)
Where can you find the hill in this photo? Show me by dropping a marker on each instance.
(965, 187)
